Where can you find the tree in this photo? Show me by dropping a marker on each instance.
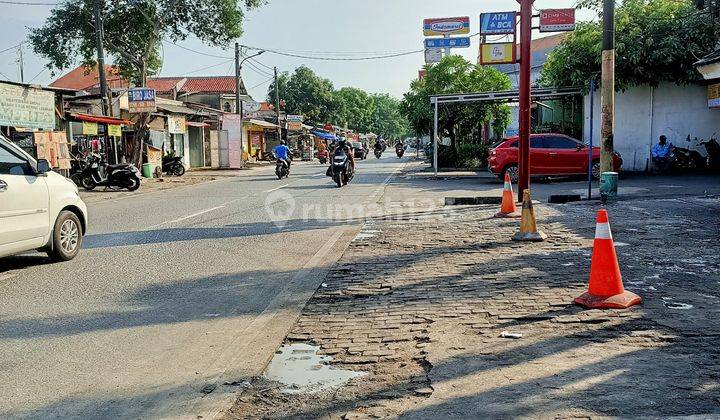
(656, 41)
(306, 94)
(133, 34)
(387, 118)
(354, 108)
(454, 74)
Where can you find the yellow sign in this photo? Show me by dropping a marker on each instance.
(90, 128)
(114, 130)
(714, 96)
(177, 124)
(500, 53)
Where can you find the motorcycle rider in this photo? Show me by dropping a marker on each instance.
(342, 144)
(661, 154)
(282, 152)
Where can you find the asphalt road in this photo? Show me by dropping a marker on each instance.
(175, 294)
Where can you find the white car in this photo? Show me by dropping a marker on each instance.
(39, 209)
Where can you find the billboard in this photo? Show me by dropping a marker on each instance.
(27, 107)
(499, 53)
(446, 26)
(141, 100)
(714, 96)
(463, 42)
(498, 23)
(557, 20)
(433, 55)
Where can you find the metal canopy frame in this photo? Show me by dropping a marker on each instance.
(504, 96)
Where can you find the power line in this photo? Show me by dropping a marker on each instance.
(200, 52)
(38, 74)
(11, 48)
(209, 67)
(307, 57)
(261, 83)
(28, 3)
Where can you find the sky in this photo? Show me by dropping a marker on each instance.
(329, 28)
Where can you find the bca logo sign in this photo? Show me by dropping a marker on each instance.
(497, 23)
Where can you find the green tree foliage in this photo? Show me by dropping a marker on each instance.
(306, 94)
(656, 41)
(134, 30)
(314, 97)
(459, 122)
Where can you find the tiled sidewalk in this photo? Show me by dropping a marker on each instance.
(420, 302)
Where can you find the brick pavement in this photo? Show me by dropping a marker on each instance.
(420, 301)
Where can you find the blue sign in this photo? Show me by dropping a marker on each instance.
(463, 42)
(497, 23)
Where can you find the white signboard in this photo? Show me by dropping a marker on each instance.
(251, 106)
(26, 107)
(295, 118)
(433, 55)
(177, 125)
(233, 124)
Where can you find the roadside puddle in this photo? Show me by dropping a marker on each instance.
(301, 370)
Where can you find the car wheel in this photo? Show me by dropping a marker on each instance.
(67, 237)
(596, 170)
(511, 170)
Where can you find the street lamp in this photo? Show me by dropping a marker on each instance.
(238, 102)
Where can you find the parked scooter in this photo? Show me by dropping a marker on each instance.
(172, 165)
(342, 171)
(686, 159)
(400, 150)
(98, 173)
(713, 153)
(323, 156)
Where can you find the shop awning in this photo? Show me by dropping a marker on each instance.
(197, 124)
(323, 135)
(101, 119)
(263, 124)
(179, 109)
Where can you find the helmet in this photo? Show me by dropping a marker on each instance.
(282, 142)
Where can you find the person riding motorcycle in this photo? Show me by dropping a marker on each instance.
(282, 152)
(341, 144)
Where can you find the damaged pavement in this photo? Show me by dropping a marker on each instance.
(443, 316)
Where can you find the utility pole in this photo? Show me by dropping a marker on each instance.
(22, 64)
(607, 95)
(101, 56)
(238, 103)
(525, 99)
(277, 105)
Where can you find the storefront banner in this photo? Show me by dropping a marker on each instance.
(232, 123)
(714, 96)
(26, 107)
(90, 128)
(141, 100)
(114, 130)
(177, 125)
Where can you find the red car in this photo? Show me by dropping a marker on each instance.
(550, 155)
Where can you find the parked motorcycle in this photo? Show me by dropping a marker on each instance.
(98, 173)
(685, 159)
(172, 165)
(713, 153)
(323, 156)
(400, 151)
(342, 171)
(281, 169)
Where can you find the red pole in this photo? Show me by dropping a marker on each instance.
(525, 100)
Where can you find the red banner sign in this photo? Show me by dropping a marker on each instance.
(557, 20)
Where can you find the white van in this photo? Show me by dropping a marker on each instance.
(39, 209)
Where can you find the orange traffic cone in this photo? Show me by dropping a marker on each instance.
(606, 289)
(528, 225)
(508, 208)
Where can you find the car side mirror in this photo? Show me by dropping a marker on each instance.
(43, 166)
(579, 147)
